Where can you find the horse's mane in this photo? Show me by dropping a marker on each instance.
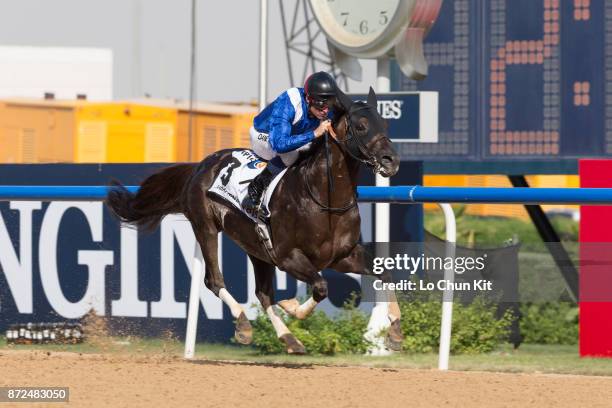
(315, 146)
(339, 113)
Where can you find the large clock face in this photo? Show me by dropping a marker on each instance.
(364, 28)
(362, 19)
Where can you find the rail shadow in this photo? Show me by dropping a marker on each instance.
(295, 366)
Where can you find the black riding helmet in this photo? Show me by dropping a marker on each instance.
(319, 88)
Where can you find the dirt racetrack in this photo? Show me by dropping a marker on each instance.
(123, 381)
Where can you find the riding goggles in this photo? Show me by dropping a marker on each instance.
(321, 104)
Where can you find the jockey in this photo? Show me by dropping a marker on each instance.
(292, 121)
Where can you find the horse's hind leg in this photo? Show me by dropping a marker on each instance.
(358, 262)
(213, 279)
(264, 289)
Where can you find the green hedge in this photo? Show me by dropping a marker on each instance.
(318, 333)
(475, 329)
(550, 323)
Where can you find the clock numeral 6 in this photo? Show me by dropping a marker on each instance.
(363, 27)
(383, 18)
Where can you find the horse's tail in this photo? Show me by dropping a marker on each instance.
(160, 194)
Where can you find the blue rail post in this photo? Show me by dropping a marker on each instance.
(499, 195)
(392, 194)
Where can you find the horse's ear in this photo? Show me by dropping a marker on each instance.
(372, 98)
(344, 101)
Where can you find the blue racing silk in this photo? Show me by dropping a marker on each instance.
(287, 121)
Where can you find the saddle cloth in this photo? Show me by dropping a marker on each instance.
(233, 180)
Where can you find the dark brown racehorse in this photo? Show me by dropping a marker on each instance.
(315, 222)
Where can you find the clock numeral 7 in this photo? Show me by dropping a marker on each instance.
(383, 18)
(345, 15)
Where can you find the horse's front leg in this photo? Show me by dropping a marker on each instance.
(359, 261)
(299, 266)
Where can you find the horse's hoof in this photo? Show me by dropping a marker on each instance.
(244, 330)
(294, 346)
(394, 336)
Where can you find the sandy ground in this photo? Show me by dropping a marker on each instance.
(123, 381)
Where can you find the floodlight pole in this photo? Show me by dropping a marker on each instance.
(383, 85)
(263, 53)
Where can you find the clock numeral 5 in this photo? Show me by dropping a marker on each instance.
(383, 18)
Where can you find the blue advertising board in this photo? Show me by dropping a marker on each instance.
(61, 259)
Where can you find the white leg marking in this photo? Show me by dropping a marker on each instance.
(289, 305)
(229, 300)
(293, 307)
(277, 322)
(305, 309)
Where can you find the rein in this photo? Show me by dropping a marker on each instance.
(357, 151)
(330, 186)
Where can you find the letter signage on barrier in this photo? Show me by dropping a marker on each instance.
(411, 116)
(18, 270)
(61, 259)
(60, 281)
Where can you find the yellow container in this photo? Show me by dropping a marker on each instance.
(214, 126)
(76, 131)
(37, 131)
(125, 133)
(50, 131)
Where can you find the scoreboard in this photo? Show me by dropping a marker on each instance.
(519, 82)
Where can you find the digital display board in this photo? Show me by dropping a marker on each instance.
(518, 81)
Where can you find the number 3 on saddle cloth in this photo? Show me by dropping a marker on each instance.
(233, 181)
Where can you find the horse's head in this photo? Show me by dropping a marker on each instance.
(363, 133)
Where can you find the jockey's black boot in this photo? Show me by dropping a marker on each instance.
(259, 184)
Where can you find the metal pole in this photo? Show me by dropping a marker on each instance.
(192, 79)
(383, 85)
(446, 324)
(379, 318)
(137, 49)
(194, 302)
(263, 53)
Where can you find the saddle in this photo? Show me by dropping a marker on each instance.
(232, 183)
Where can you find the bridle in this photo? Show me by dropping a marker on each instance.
(355, 147)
